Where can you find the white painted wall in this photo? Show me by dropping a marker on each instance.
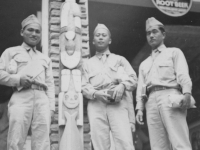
(45, 27)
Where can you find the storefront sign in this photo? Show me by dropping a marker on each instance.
(173, 8)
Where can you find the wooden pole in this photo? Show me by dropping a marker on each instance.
(45, 27)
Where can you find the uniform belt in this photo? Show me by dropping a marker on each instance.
(159, 88)
(37, 87)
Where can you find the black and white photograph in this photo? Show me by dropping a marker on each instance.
(100, 75)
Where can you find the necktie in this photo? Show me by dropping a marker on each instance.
(154, 53)
(31, 52)
(103, 58)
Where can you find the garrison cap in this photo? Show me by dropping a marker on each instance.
(153, 22)
(101, 26)
(29, 20)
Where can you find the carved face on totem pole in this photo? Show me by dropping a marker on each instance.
(70, 34)
(71, 99)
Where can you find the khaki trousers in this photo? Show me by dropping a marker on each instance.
(29, 108)
(167, 126)
(104, 118)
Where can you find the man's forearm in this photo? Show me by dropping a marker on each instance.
(9, 79)
(130, 84)
(89, 92)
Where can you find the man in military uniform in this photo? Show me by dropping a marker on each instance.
(32, 103)
(108, 81)
(165, 75)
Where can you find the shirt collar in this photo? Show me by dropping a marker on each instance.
(161, 47)
(99, 54)
(27, 47)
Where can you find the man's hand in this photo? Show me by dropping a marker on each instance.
(132, 127)
(118, 92)
(139, 117)
(102, 95)
(26, 81)
(186, 101)
(52, 115)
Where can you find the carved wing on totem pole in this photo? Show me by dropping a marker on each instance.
(70, 97)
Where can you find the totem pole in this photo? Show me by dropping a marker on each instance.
(70, 97)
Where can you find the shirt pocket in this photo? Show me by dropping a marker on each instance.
(112, 72)
(166, 70)
(96, 79)
(21, 60)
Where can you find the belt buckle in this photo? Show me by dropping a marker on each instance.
(164, 88)
(156, 88)
(40, 88)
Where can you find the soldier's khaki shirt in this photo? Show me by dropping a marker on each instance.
(168, 69)
(103, 76)
(21, 55)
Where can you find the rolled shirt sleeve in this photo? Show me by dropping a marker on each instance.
(7, 79)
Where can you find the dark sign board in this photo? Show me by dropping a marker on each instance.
(173, 8)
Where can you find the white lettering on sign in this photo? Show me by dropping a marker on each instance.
(165, 3)
(173, 8)
(181, 5)
(172, 4)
